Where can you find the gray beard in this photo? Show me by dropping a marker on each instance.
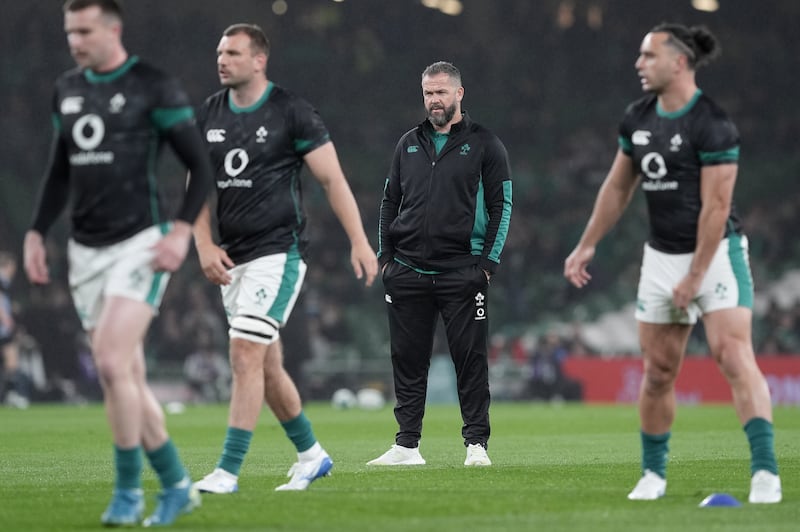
(442, 120)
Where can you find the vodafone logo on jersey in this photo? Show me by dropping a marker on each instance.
(236, 160)
(215, 135)
(88, 133)
(655, 167)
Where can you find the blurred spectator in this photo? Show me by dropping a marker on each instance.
(207, 371)
(167, 340)
(574, 343)
(51, 319)
(88, 381)
(201, 315)
(13, 390)
(783, 331)
(546, 380)
(32, 374)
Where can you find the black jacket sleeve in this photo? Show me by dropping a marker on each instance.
(496, 172)
(390, 207)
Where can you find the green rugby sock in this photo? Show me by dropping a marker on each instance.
(655, 448)
(128, 463)
(167, 464)
(237, 443)
(761, 437)
(299, 431)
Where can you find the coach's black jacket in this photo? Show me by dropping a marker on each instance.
(446, 211)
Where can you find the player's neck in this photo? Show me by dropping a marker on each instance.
(249, 93)
(114, 61)
(677, 95)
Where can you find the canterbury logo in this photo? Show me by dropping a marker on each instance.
(215, 135)
(641, 137)
(71, 105)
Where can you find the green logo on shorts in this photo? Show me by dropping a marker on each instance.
(135, 279)
(721, 291)
(261, 295)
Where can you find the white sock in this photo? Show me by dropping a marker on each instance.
(310, 454)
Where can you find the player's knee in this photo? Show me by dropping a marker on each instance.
(110, 373)
(734, 357)
(254, 329)
(659, 377)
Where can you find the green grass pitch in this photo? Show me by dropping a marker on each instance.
(565, 467)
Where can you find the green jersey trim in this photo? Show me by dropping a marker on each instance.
(302, 145)
(107, 77)
(164, 119)
(680, 112)
(249, 109)
(714, 157)
(625, 145)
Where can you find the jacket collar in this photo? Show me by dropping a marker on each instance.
(458, 127)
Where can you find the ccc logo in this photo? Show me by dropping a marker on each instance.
(88, 132)
(215, 135)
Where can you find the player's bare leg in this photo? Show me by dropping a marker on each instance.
(247, 399)
(729, 337)
(136, 418)
(280, 391)
(663, 346)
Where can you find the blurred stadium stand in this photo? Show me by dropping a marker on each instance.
(550, 77)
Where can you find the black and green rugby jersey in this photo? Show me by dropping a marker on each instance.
(669, 151)
(256, 156)
(109, 129)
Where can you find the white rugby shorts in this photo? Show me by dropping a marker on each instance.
(264, 289)
(727, 284)
(121, 269)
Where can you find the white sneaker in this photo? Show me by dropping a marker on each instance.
(649, 488)
(399, 455)
(765, 488)
(218, 481)
(304, 473)
(476, 455)
(16, 400)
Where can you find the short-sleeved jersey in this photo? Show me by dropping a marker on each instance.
(669, 151)
(112, 127)
(256, 155)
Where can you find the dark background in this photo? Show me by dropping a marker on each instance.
(551, 78)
